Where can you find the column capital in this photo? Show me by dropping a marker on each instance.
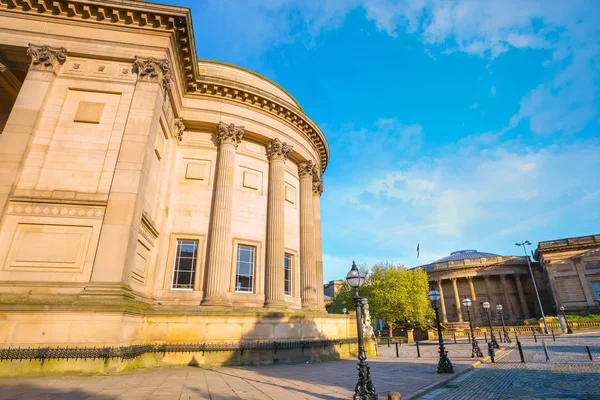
(46, 58)
(229, 134)
(317, 188)
(454, 279)
(278, 150)
(179, 127)
(307, 168)
(154, 70)
(470, 278)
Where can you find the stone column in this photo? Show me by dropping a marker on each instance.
(474, 315)
(16, 138)
(585, 286)
(117, 246)
(277, 152)
(522, 300)
(508, 306)
(488, 288)
(308, 279)
(218, 272)
(317, 191)
(442, 302)
(457, 300)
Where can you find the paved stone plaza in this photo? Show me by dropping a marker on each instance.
(569, 375)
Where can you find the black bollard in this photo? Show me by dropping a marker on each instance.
(520, 351)
(553, 337)
(455, 337)
(491, 352)
(468, 337)
(516, 337)
(388, 342)
(485, 336)
(418, 350)
(397, 353)
(534, 337)
(589, 353)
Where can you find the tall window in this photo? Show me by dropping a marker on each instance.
(288, 275)
(244, 274)
(596, 287)
(184, 271)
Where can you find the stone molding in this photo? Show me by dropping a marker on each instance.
(318, 188)
(55, 210)
(138, 15)
(229, 134)
(179, 127)
(154, 70)
(296, 119)
(2, 66)
(46, 58)
(148, 229)
(307, 168)
(278, 150)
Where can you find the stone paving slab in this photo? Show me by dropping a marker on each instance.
(332, 380)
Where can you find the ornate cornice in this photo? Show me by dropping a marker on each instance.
(46, 58)
(307, 168)
(278, 150)
(153, 70)
(179, 127)
(268, 103)
(229, 134)
(567, 244)
(136, 14)
(318, 187)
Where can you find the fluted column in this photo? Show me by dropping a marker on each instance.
(473, 296)
(308, 279)
(522, 300)
(442, 302)
(507, 303)
(277, 152)
(488, 288)
(457, 300)
(219, 254)
(317, 190)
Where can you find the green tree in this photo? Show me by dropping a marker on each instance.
(395, 293)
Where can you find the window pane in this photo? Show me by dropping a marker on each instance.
(184, 269)
(596, 287)
(244, 269)
(288, 275)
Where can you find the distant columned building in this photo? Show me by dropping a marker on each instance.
(489, 277)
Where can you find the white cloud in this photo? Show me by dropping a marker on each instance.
(475, 106)
(493, 91)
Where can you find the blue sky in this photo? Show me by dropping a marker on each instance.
(455, 124)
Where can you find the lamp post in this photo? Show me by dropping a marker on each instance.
(486, 306)
(537, 293)
(344, 310)
(504, 330)
(444, 365)
(364, 389)
(562, 311)
(475, 350)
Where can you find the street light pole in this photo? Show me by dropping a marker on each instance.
(475, 350)
(444, 365)
(364, 389)
(537, 293)
(504, 330)
(486, 306)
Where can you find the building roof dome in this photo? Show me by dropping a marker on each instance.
(464, 254)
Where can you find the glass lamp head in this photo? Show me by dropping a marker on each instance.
(561, 308)
(466, 302)
(354, 278)
(499, 307)
(486, 305)
(434, 295)
(344, 310)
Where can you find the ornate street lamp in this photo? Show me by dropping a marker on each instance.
(475, 350)
(504, 330)
(537, 293)
(444, 365)
(486, 306)
(364, 389)
(562, 311)
(344, 310)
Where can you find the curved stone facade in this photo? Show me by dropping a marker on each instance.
(140, 179)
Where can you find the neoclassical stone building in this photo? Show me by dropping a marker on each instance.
(485, 276)
(146, 194)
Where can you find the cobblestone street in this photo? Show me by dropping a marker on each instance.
(568, 375)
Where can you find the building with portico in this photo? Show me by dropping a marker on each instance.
(147, 195)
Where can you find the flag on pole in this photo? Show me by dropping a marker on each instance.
(417, 250)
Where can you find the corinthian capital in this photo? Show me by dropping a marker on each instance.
(307, 168)
(46, 58)
(229, 134)
(278, 150)
(318, 187)
(154, 70)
